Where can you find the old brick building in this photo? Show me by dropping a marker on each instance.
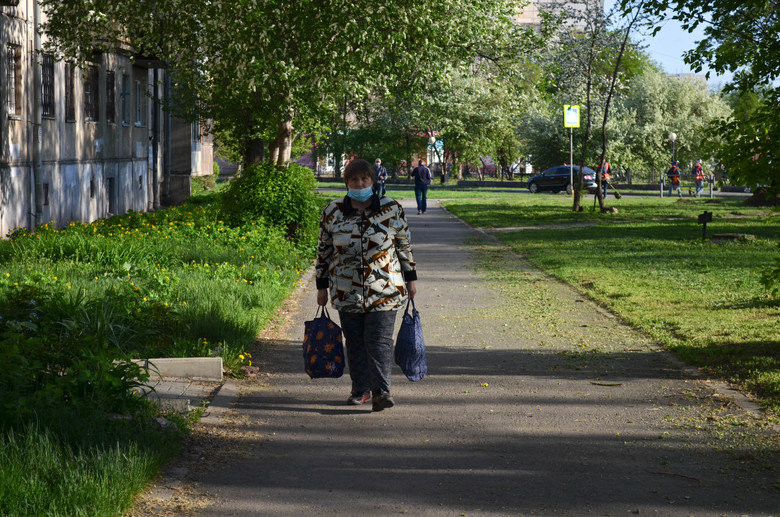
(77, 144)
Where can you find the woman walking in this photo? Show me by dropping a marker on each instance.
(364, 257)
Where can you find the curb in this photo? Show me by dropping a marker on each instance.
(223, 400)
(720, 387)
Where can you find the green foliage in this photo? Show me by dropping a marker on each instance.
(770, 277)
(746, 143)
(739, 37)
(265, 65)
(280, 196)
(201, 183)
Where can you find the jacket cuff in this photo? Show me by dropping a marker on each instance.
(323, 282)
(410, 276)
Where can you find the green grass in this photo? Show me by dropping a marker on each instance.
(79, 469)
(176, 282)
(649, 265)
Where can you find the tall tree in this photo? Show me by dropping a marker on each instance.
(275, 68)
(741, 37)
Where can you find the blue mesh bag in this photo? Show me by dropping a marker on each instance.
(410, 346)
(323, 349)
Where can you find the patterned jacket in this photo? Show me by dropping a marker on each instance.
(365, 258)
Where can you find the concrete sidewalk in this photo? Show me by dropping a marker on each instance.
(537, 402)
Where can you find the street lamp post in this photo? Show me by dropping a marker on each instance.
(672, 139)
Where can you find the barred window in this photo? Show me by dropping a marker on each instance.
(92, 94)
(70, 96)
(47, 77)
(125, 95)
(140, 99)
(14, 53)
(110, 97)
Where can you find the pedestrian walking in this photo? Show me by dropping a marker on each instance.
(380, 177)
(364, 257)
(674, 178)
(698, 176)
(605, 172)
(422, 179)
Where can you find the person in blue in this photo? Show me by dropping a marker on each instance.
(422, 179)
(380, 177)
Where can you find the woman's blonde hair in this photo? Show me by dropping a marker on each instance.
(356, 168)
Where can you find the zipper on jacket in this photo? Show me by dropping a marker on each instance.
(363, 263)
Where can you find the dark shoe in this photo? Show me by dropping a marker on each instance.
(357, 399)
(419, 212)
(381, 402)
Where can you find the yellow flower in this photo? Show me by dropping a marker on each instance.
(8, 274)
(241, 356)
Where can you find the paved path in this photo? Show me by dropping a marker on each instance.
(537, 402)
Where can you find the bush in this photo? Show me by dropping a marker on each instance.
(282, 197)
(199, 183)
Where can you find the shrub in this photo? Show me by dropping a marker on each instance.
(283, 197)
(199, 183)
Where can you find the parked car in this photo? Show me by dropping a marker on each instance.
(557, 179)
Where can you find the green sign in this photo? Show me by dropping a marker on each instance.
(571, 115)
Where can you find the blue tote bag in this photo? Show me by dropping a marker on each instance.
(323, 350)
(410, 346)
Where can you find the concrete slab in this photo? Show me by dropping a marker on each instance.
(197, 368)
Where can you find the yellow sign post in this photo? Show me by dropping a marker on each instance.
(571, 119)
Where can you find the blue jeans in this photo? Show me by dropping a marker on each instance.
(421, 193)
(369, 341)
(676, 187)
(379, 189)
(699, 187)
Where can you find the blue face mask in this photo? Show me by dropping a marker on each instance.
(360, 194)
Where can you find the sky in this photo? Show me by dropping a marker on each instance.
(668, 45)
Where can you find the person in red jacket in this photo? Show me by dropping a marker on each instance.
(674, 178)
(698, 177)
(605, 171)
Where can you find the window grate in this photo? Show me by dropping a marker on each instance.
(70, 97)
(92, 94)
(47, 77)
(125, 99)
(14, 68)
(110, 97)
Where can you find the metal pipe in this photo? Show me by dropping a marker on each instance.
(155, 142)
(34, 110)
(168, 129)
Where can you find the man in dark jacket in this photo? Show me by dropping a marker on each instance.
(422, 179)
(380, 176)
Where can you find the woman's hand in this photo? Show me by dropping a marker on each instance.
(322, 297)
(411, 289)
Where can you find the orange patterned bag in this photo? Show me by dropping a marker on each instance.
(323, 350)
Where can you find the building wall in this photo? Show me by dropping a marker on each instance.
(58, 170)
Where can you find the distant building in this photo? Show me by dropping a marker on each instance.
(530, 15)
(699, 79)
(78, 144)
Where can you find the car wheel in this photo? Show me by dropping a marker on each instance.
(532, 188)
(568, 189)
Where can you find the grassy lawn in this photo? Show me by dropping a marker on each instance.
(177, 282)
(649, 265)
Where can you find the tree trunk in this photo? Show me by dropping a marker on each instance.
(577, 205)
(254, 152)
(611, 92)
(280, 148)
